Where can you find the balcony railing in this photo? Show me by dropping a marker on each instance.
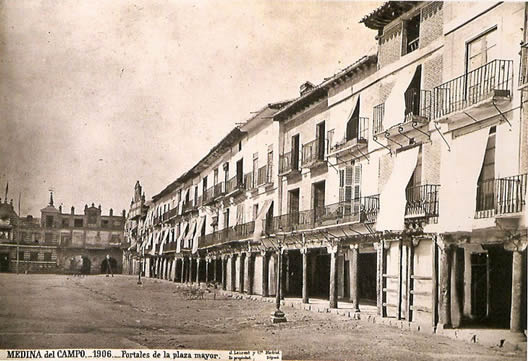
(422, 201)
(264, 175)
(235, 184)
(173, 212)
(418, 104)
(501, 196)
(219, 189)
(492, 79)
(379, 114)
(249, 181)
(364, 209)
(208, 196)
(312, 152)
(413, 45)
(523, 70)
(242, 231)
(239, 232)
(288, 162)
(362, 136)
(188, 207)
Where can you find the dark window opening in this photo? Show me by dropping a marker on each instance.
(412, 32)
(33, 256)
(413, 94)
(47, 256)
(295, 152)
(104, 223)
(240, 171)
(78, 222)
(320, 133)
(352, 129)
(65, 222)
(49, 221)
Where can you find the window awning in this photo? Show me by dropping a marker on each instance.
(392, 198)
(395, 103)
(459, 172)
(258, 221)
(179, 240)
(165, 238)
(197, 234)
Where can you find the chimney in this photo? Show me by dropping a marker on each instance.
(99, 207)
(306, 87)
(72, 210)
(60, 208)
(124, 213)
(111, 212)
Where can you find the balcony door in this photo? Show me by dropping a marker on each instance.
(295, 152)
(293, 206)
(352, 129)
(320, 135)
(240, 171)
(412, 94)
(318, 199)
(481, 81)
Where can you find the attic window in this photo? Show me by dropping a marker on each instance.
(412, 34)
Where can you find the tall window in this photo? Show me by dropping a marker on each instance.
(352, 129)
(411, 35)
(49, 221)
(215, 176)
(482, 50)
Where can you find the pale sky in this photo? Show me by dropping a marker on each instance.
(97, 94)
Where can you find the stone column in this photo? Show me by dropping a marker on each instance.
(265, 275)
(247, 274)
(207, 260)
(224, 271)
(444, 302)
(189, 270)
(455, 298)
(353, 276)
(468, 312)
(333, 277)
(241, 271)
(198, 261)
(215, 265)
(233, 272)
(304, 252)
(516, 304)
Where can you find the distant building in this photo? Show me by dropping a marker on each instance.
(60, 242)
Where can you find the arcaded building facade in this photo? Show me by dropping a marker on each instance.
(397, 184)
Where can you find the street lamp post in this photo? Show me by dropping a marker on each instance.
(139, 270)
(278, 316)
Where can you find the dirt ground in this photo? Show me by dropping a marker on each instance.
(54, 311)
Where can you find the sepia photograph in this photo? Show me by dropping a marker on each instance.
(263, 180)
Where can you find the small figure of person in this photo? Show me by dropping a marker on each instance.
(109, 266)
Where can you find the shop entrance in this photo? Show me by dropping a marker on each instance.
(4, 262)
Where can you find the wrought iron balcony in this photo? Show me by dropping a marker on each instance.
(312, 153)
(379, 114)
(188, 207)
(422, 201)
(418, 105)
(492, 80)
(173, 212)
(234, 185)
(360, 140)
(242, 231)
(288, 162)
(249, 181)
(208, 196)
(501, 196)
(219, 189)
(364, 209)
(264, 175)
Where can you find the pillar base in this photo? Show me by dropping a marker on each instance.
(278, 317)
